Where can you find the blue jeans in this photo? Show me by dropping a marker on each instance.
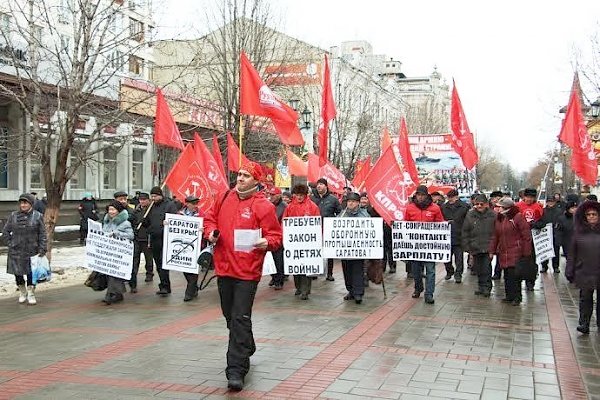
(417, 270)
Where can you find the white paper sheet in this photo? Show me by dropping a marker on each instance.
(245, 239)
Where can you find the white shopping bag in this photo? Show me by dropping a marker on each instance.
(269, 265)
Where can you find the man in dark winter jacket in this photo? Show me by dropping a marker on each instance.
(477, 233)
(140, 242)
(277, 279)
(551, 214)
(154, 225)
(330, 207)
(455, 211)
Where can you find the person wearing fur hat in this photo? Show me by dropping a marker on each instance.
(87, 210)
(583, 262)
(238, 269)
(551, 214)
(330, 207)
(455, 211)
(564, 227)
(25, 236)
(511, 242)
(116, 224)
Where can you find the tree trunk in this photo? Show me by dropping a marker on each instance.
(51, 219)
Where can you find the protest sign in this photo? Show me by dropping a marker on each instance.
(543, 243)
(107, 254)
(353, 238)
(182, 236)
(302, 244)
(421, 241)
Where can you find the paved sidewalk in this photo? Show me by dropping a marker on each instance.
(464, 347)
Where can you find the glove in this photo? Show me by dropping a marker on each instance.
(570, 278)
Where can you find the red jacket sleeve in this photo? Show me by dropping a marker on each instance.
(210, 217)
(270, 226)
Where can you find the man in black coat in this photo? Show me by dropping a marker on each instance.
(330, 207)
(140, 242)
(277, 279)
(454, 211)
(552, 213)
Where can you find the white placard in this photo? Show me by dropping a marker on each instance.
(543, 243)
(353, 238)
(302, 244)
(182, 238)
(421, 241)
(108, 255)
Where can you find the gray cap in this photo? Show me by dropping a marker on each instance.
(505, 202)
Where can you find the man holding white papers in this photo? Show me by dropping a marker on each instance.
(239, 216)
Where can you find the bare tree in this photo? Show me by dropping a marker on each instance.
(429, 117)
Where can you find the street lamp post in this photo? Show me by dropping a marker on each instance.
(306, 130)
(595, 108)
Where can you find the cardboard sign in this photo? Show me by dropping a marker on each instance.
(182, 237)
(353, 238)
(543, 243)
(421, 241)
(302, 244)
(106, 254)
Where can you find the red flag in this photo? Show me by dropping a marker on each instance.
(574, 134)
(216, 151)
(336, 181)
(187, 178)
(296, 166)
(216, 179)
(233, 154)
(462, 138)
(165, 129)
(327, 114)
(361, 171)
(257, 99)
(314, 170)
(386, 140)
(405, 154)
(389, 187)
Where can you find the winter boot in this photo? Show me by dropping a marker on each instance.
(31, 295)
(22, 294)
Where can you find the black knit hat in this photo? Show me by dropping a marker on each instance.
(353, 196)
(143, 195)
(156, 190)
(116, 204)
(422, 189)
(300, 189)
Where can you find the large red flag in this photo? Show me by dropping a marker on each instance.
(165, 128)
(574, 134)
(233, 155)
(336, 181)
(461, 138)
(314, 171)
(296, 166)
(187, 178)
(327, 114)
(386, 140)
(361, 171)
(216, 179)
(389, 187)
(216, 150)
(257, 99)
(405, 154)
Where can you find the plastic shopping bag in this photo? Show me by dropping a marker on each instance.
(40, 269)
(269, 265)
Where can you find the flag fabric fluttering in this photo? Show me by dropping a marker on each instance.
(233, 155)
(296, 166)
(386, 140)
(328, 113)
(187, 178)
(211, 169)
(361, 171)
(256, 98)
(574, 134)
(461, 138)
(405, 154)
(216, 151)
(165, 128)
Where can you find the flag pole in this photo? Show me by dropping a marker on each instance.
(241, 139)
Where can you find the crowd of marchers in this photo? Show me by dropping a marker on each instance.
(495, 228)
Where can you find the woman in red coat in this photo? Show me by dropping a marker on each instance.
(511, 242)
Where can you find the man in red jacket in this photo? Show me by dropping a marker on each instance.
(423, 209)
(239, 269)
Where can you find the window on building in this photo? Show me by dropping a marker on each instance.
(36, 180)
(135, 65)
(78, 179)
(4, 23)
(116, 60)
(65, 44)
(37, 32)
(136, 29)
(3, 157)
(150, 70)
(149, 34)
(110, 168)
(137, 168)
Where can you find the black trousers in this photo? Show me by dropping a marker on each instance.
(21, 281)
(388, 258)
(483, 267)
(586, 305)
(140, 247)
(330, 267)
(303, 283)
(157, 248)
(278, 259)
(459, 261)
(512, 285)
(237, 298)
(192, 284)
(353, 277)
(556, 258)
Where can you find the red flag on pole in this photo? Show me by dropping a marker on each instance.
(461, 138)
(389, 187)
(574, 134)
(314, 170)
(165, 128)
(361, 171)
(187, 178)
(257, 99)
(405, 154)
(386, 140)
(327, 114)
(296, 166)
(216, 179)
(216, 150)
(233, 155)
(336, 181)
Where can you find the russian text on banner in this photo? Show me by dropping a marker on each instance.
(421, 241)
(182, 237)
(106, 254)
(543, 243)
(302, 244)
(353, 238)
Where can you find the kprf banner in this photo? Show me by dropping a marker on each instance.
(543, 243)
(107, 254)
(353, 238)
(421, 241)
(302, 244)
(182, 236)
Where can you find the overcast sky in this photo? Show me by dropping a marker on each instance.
(513, 61)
